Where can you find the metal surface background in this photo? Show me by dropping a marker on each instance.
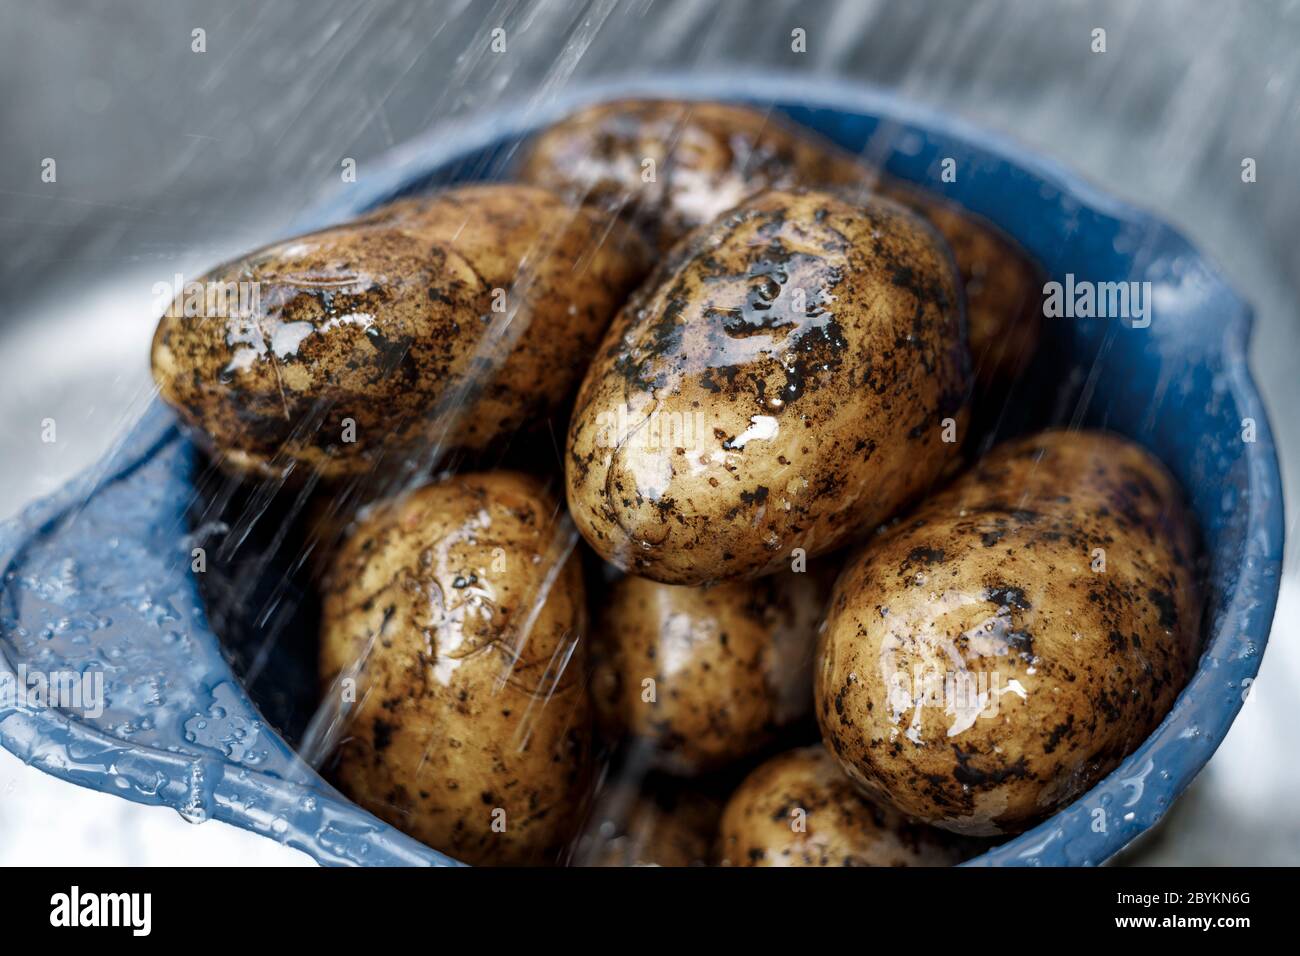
(169, 160)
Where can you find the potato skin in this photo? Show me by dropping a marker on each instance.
(457, 713)
(840, 826)
(708, 158)
(389, 323)
(993, 580)
(731, 662)
(659, 826)
(1003, 286)
(720, 427)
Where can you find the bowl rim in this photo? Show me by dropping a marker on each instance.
(1067, 836)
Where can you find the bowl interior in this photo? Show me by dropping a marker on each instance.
(101, 576)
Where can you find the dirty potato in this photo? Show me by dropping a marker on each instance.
(672, 165)
(656, 826)
(994, 655)
(790, 376)
(459, 611)
(798, 809)
(703, 676)
(1004, 302)
(412, 331)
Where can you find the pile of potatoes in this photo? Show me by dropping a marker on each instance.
(756, 608)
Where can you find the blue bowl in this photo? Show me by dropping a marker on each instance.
(98, 577)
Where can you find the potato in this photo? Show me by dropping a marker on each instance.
(791, 375)
(996, 653)
(1004, 302)
(798, 809)
(471, 727)
(731, 664)
(663, 826)
(672, 165)
(709, 157)
(381, 338)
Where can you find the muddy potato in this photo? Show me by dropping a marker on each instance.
(381, 337)
(993, 656)
(798, 809)
(346, 325)
(1004, 303)
(710, 157)
(672, 165)
(471, 697)
(731, 664)
(790, 376)
(661, 826)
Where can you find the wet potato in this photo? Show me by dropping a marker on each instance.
(411, 330)
(1004, 303)
(710, 157)
(660, 826)
(782, 381)
(799, 809)
(347, 320)
(706, 158)
(1054, 587)
(731, 664)
(460, 712)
